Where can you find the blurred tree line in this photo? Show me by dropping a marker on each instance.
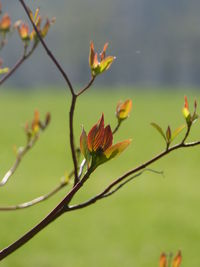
(156, 42)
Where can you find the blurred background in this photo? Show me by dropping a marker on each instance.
(155, 42)
(157, 47)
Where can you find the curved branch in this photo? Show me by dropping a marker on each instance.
(63, 205)
(71, 127)
(54, 214)
(87, 86)
(20, 155)
(49, 53)
(107, 191)
(34, 201)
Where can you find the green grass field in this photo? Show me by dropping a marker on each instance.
(151, 215)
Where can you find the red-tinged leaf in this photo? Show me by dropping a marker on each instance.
(159, 129)
(35, 122)
(186, 112)
(106, 63)
(36, 116)
(177, 260)
(108, 138)
(103, 53)
(163, 260)
(186, 105)
(116, 149)
(195, 106)
(5, 23)
(96, 135)
(84, 147)
(47, 118)
(91, 54)
(91, 136)
(96, 62)
(23, 30)
(177, 132)
(123, 109)
(99, 137)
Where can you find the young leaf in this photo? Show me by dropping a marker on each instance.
(123, 109)
(84, 147)
(106, 63)
(116, 149)
(4, 70)
(159, 129)
(163, 260)
(177, 260)
(168, 135)
(177, 132)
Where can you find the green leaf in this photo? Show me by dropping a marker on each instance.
(84, 147)
(4, 70)
(116, 149)
(159, 129)
(194, 118)
(187, 116)
(106, 63)
(177, 132)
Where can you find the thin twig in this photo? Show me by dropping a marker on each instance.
(94, 199)
(87, 86)
(54, 214)
(44, 197)
(117, 127)
(187, 133)
(39, 199)
(18, 64)
(63, 205)
(129, 180)
(34, 201)
(50, 54)
(20, 155)
(133, 171)
(71, 127)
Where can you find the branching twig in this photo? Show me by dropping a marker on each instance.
(40, 199)
(113, 187)
(50, 54)
(20, 155)
(133, 171)
(54, 214)
(63, 205)
(87, 86)
(34, 201)
(18, 64)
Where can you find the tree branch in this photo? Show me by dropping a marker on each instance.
(49, 53)
(63, 205)
(38, 199)
(54, 214)
(87, 86)
(71, 127)
(107, 191)
(20, 155)
(18, 64)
